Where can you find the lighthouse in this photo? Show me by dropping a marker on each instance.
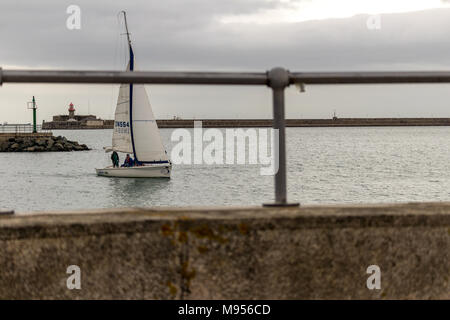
(71, 111)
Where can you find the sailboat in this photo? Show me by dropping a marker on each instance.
(136, 132)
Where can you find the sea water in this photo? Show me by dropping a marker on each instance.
(324, 166)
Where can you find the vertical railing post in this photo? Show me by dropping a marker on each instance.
(278, 80)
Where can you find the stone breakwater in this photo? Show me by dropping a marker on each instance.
(337, 122)
(40, 144)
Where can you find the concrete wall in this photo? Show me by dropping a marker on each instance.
(339, 122)
(94, 123)
(239, 253)
(242, 123)
(75, 125)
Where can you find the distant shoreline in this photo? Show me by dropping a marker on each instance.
(243, 123)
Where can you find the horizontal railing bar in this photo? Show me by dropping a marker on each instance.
(19, 128)
(46, 76)
(370, 77)
(220, 78)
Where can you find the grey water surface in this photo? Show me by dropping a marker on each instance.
(325, 166)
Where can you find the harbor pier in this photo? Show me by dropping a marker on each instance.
(259, 123)
(333, 122)
(310, 252)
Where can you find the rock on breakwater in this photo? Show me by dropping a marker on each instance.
(40, 144)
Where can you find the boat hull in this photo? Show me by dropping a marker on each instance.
(147, 171)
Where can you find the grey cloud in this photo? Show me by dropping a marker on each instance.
(39, 26)
(187, 35)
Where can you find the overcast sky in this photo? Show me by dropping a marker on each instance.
(230, 35)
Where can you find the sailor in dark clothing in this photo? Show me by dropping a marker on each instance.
(128, 161)
(115, 159)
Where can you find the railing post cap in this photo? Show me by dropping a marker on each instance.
(278, 78)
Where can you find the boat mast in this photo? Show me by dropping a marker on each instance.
(131, 85)
(129, 41)
(126, 28)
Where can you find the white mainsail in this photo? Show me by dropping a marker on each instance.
(148, 146)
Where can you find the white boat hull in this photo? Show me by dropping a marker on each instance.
(146, 171)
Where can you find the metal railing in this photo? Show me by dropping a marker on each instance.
(21, 128)
(277, 79)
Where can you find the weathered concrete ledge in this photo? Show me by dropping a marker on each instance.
(232, 253)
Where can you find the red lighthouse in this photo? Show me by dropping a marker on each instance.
(71, 111)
